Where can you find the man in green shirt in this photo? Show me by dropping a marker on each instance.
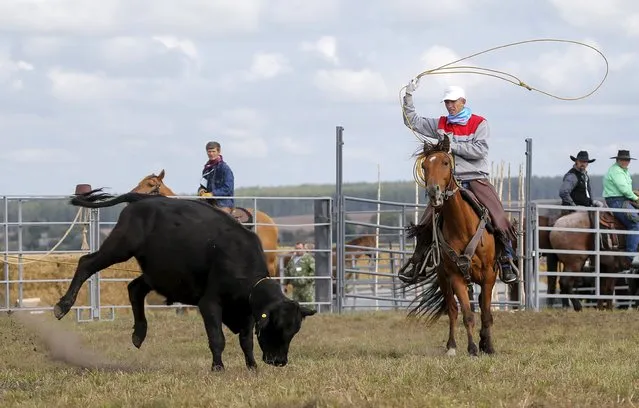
(617, 190)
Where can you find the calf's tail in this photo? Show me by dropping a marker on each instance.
(97, 199)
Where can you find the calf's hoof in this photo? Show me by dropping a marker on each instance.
(59, 311)
(137, 340)
(217, 368)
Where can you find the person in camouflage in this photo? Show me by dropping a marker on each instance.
(302, 263)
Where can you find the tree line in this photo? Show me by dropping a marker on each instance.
(35, 237)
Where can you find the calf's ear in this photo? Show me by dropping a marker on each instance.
(306, 311)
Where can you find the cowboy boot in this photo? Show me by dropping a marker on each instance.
(509, 270)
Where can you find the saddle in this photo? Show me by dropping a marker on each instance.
(478, 207)
(243, 216)
(607, 220)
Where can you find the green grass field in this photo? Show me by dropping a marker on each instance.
(364, 359)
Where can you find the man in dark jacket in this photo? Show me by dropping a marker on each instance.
(575, 189)
(217, 178)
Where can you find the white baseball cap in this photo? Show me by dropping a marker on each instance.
(453, 93)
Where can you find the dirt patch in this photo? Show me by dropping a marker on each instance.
(65, 346)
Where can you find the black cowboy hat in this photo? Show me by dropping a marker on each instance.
(623, 155)
(582, 156)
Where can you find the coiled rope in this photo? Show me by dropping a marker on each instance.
(469, 69)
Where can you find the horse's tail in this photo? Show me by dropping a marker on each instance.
(97, 199)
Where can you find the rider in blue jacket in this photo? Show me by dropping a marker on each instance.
(217, 178)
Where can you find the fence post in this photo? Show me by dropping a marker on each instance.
(323, 286)
(94, 245)
(7, 301)
(339, 217)
(530, 226)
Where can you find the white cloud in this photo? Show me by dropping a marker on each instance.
(35, 155)
(239, 131)
(198, 17)
(294, 146)
(10, 67)
(437, 55)
(352, 86)
(126, 49)
(72, 86)
(267, 66)
(570, 70)
(325, 46)
(302, 11)
(610, 14)
(42, 46)
(185, 46)
(431, 10)
(607, 110)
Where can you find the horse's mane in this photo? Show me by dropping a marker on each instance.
(442, 145)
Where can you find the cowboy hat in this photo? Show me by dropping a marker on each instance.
(623, 155)
(582, 156)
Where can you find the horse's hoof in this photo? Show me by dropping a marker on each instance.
(451, 352)
(58, 312)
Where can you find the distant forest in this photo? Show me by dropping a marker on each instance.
(39, 237)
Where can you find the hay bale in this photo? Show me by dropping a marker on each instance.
(62, 266)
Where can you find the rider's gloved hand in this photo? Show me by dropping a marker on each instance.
(412, 86)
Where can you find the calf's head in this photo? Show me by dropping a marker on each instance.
(276, 327)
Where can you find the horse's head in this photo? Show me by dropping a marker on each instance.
(153, 184)
(435, 169)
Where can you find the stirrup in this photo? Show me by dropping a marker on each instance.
(416, 276)
(513, 269)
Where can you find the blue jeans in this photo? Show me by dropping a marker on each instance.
(629, 220)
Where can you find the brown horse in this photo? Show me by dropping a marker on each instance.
(458, 230)
(585, 241)
(265, 226)
(352, 255)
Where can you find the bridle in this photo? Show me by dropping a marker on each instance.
(453, 184)
(156, 189)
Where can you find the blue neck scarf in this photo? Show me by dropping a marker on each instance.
(461, 118)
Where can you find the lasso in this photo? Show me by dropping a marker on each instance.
(468, 69)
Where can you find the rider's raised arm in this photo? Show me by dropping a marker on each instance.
(420, 124)
(474, 147)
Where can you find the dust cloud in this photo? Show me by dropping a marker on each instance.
(65, 346)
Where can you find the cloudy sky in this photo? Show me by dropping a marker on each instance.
(105, 92)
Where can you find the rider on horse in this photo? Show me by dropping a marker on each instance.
(617, 186)
(217, 178)
(575, 188)
(469, 145)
